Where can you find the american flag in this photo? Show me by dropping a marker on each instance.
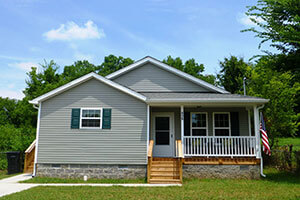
(264, 135)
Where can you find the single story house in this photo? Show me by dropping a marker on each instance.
(147, 120)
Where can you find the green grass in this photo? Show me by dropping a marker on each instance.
(3, 174)
(60, 180)
(287, 141)
(277, 185)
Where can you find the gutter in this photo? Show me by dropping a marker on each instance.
(36, 138)
(261, 158)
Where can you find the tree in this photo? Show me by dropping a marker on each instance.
(233, 71)
(39, 83)
(281, 118)
(78, 69)
(113, 63)
(191, 67)
(278, 22)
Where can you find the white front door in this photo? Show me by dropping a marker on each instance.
(163, 134)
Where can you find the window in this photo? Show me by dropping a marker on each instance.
(222, 124)
(199, 124)
(91, 118)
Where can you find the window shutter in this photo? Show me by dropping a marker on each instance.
(75, 118)
(235, 124)
(187, 128)
(106, 118)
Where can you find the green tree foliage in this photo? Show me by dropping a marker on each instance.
(233, 71)
(281, 118)
(278, 22)
(113, 63)
(191, 67)
(77, 70)
(263, 81)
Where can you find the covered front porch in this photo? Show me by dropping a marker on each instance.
(204, 130)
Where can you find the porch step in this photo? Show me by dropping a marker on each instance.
(165, 181)
(165, 170)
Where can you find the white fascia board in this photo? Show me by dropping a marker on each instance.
(208, 100)
(83, 79)
(168, 68)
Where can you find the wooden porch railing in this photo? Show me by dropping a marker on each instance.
(179, 155)
(150, 159)
(29, 158)
(233, 146)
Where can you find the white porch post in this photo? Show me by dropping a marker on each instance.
(256, 131)
(148, 128)
(182, 127)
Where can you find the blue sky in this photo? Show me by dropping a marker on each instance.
(66, 31)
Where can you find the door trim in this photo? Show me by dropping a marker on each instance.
(172, 129)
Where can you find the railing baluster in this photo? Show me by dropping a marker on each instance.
(244, 146)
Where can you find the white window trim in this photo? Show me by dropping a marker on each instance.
(191, 122)
(100, 118)
(214, 126)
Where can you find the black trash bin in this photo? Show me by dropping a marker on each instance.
(13, 161)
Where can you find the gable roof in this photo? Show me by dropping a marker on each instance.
(83, 79)
(168, 68)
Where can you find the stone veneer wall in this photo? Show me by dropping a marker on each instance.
(92, 171)
(221, 171)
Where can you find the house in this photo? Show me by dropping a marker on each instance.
(146, 120)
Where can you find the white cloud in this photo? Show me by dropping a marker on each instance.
(71, 31)
(245, 20)
(26, 66)
(11, 94)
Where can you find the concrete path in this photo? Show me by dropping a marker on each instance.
(12, 185)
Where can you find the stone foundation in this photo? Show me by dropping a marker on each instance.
(92, 171)
(221, 171)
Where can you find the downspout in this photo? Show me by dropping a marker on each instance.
(37, 137)
(261, 159)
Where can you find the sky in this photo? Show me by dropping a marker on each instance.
(32, 31)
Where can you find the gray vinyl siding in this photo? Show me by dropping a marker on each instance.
(124, 143)
(150, 78)
(243, 118)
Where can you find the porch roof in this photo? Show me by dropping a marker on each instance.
(177, 97)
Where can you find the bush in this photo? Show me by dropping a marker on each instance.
(283, 158)
(14, 139)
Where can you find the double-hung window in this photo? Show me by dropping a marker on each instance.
(221, 123)
(199, 123)
(91, 118)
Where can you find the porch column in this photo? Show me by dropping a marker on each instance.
(256, 130)
(182, 126)
(148, 127)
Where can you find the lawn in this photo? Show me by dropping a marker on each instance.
(277, 185)
(3, 174)
(287, 141)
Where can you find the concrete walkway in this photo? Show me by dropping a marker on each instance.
(12, 185)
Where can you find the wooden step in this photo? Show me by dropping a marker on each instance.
(165, 181)
(166, 176)
(165, 162)
(163, 172)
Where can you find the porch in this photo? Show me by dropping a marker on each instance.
(204, 131)
(200, 135)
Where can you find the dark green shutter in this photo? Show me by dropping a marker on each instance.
(106, 120)
(75, 118)
(235, 125)
(187, 121)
